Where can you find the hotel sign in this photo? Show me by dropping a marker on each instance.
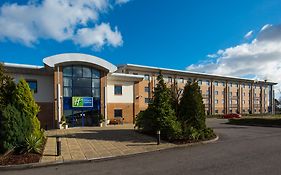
(82, 102)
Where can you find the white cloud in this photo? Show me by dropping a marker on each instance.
(249, 34)
(260, 58)
(121, 1)
(98, 36)
(59, 20)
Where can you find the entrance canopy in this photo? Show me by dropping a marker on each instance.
(52, 61)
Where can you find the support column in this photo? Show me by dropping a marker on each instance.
(226, 108)
(251, 99)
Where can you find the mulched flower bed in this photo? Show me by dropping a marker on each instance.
(12, 158)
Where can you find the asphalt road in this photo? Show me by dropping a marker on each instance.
(240, 150)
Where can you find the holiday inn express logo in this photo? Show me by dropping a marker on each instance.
(80, 102)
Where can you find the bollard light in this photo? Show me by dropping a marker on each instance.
(158, 137)
(58, 139)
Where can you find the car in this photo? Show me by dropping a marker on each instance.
(229, 116)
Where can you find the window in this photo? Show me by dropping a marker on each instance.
(244, 94)
(146, 89)
(81, 81)
(216, 83)
(135, 73)
(117, 113)
(217, 92)
(181, 80)
(32, 85)
(249, 85)
(200, 82)
(244, 102)
(222, 92)
(146, 77)
(243, 85)
(230, 93)
(230, 84)
(222, 101)
(147, 100)
(216, 101)
(117, 89)
(207, 82)
(223, 83)
(207, 92)
(216, 111)
(170, 80)
(190, 79)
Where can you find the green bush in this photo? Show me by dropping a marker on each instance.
(191, 108)
(33, 144)
(25, 102)
(15, 127)
(159, 115)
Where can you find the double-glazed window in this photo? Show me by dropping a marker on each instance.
(117, 89)
(81, 81)
(118, 113)
(32, 85)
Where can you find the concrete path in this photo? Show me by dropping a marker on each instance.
(98, 142)
(241, 150)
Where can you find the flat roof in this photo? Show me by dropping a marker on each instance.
(157, 69)
(28, 66)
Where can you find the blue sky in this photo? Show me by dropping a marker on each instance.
(169, 33)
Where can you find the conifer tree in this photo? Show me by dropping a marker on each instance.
(192, 109)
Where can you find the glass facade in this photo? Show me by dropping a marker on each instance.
(81, 81)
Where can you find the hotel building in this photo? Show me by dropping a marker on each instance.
(81, 87)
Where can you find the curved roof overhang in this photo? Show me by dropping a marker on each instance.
(70, 58)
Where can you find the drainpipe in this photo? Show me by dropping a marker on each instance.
(58, 98)
(105, 102)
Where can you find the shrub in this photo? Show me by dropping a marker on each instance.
(33, 144)
(159, 115)
(25, 102)
(15, 128)
(191, 108)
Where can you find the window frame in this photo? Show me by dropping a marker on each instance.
(32, 81)
(118, 85)
(118, 109)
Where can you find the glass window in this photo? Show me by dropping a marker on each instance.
(223, 83)
(181, 80)
(118, 90)
(216, 83)
(67, 81)
(95, 73)
(222, 101)
(96, 92)
(82, 82)
(118, 113)
(32, 85)
(67, 92)
(87, 72)
(217, 92)
(216, 101)
(67, 71)
(170, 80)
(146, 77)
(82, 91)
(200, 82)
(207, 82)
(95, 83)
(77, 71)
(146, 89)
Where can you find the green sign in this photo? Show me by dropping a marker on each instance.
(80, 102)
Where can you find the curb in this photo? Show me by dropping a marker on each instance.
(100, 159)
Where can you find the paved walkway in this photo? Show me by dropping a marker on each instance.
(98, 142)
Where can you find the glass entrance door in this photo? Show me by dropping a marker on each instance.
(84, 118)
